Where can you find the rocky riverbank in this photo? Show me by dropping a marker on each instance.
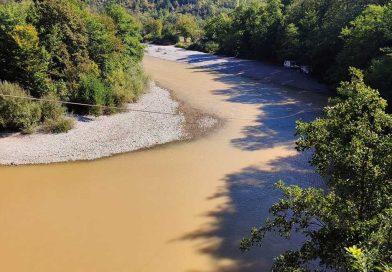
(155, 119)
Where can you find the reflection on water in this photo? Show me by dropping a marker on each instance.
(180, 207)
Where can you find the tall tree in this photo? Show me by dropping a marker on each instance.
(187, 26)
(353, 152)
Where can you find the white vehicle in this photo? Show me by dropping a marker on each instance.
(306, 69)
(290, 64)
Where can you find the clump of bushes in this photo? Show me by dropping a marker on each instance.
(60, 125)
(93, 91)
(17, 113)
(53, 116)
(51, 108)
(171, 28)
(55, 49)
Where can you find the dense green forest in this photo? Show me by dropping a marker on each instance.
(65, 50)
(201, 8)
(328, 35)
(164, 21)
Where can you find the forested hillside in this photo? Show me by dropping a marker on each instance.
(65, 50)
(330, 36)
(195, 7)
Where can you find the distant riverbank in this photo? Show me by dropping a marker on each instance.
(256, 70)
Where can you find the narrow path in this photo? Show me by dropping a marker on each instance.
(182, 207)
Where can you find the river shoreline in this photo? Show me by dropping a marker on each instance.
(229, 66)
(144, 126)
(156, 119)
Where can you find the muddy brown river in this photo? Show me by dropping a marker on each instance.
(181, 207)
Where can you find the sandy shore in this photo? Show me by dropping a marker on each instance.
(96, 137)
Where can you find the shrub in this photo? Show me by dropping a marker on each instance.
(53, 116)
(128, 85)
(17, 113)
(211, 47)
(379, 76)
(126, 82)
(59, 125)
(92, 91)
(168, 37)
(138, 79)
(208, 47)
(51, 108)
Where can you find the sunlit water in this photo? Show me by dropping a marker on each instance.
(180, 207)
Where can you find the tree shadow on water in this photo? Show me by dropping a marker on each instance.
(262, 71)
(276, 126)
(279, 109)
(198, 58)
(248, 195)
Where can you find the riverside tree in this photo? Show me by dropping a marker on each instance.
(187, 26)
(353, 152)
(67, 50)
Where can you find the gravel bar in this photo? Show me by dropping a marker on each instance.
(97, 137)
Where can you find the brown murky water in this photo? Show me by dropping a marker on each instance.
(180, 207)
